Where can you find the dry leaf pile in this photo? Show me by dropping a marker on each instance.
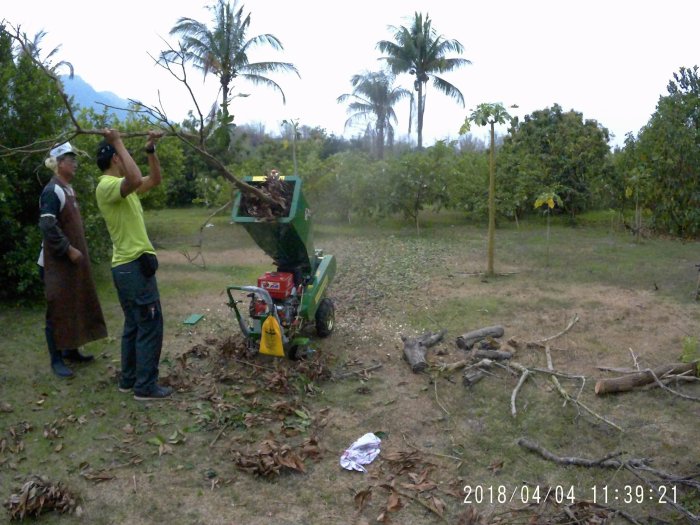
(38, 495)
(273, 458)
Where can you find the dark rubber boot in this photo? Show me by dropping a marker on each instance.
(57, 365)
(75, 356)
(60, 369)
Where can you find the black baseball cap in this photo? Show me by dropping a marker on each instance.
(105, 152)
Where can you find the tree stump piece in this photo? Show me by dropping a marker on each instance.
(414, 348)
(466, 341)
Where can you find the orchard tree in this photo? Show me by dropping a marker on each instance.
(668, 150)
(419, 179)
(555, 149)
(30, 110)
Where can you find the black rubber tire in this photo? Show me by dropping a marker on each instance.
(325, 317)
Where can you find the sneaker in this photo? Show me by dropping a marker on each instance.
(75, 356)
(125, 389)
(157, 393)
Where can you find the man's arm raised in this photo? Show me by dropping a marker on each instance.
(124, 163)
(154, 175)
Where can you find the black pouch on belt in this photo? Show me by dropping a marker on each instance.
(149, 264)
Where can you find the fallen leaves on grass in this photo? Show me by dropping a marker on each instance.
(20, 429)
(270, 460)
(471, 516)
(403, 461)
(362, 498)
(164, 445)
(496, 466)
(551, 512)
(98, 476)
(38, 495)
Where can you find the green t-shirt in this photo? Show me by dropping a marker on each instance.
(124, 218)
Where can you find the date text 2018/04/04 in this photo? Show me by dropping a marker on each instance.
(476, 494)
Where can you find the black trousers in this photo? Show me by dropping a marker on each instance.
(142, 337)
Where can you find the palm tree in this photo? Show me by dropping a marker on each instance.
(373, 99)
(420, 51)
(489, 114)
(34, 48)
(223, 48)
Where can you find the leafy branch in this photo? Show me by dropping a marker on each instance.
(174, 62)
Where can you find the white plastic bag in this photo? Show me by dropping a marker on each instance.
(361, 452)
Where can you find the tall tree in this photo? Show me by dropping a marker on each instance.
(668, 149)
(420, 51)
(554, 150)
(373, 99)
(223, 48)
(30, 110)
(489, 115)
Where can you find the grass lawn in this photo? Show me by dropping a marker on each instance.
(201, 457)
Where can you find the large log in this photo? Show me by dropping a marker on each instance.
(414, 348)
(466, 341)
(631, 381)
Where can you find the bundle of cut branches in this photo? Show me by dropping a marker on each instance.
(38, 495)
(279, 191)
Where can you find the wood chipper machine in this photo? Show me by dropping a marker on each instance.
(292, 297)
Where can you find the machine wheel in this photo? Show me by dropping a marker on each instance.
(325, 317)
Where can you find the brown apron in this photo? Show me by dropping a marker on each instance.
(73, 306)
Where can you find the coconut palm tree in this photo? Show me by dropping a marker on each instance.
(222, 50)
(420, 51)
(373, 99)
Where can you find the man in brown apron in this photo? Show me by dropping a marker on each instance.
(73, 315)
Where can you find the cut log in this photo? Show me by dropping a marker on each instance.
(496, 355)
(466, 341)
(429, 339)
(472, 376)
(631, 381)
(414, 348)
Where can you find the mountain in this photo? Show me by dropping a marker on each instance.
(85, 96)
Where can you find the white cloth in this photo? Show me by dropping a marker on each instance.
(361, 452)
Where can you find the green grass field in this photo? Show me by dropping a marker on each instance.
(179, 462)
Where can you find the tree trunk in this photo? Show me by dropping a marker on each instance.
(631, 381)
(492, 205)
(421, 109)
(466, 341)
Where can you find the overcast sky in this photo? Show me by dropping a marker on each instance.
(608, 59)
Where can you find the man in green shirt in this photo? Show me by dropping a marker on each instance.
(134, 262)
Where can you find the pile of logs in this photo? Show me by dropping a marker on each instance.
(483, 348)
(480, 344)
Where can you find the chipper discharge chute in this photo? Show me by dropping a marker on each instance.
(287, 300)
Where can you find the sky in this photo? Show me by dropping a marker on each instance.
(610, 60)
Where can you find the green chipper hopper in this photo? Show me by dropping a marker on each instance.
(292, 297)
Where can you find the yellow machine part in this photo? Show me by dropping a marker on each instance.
(271, 338)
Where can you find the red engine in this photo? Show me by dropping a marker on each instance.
(278, 284)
